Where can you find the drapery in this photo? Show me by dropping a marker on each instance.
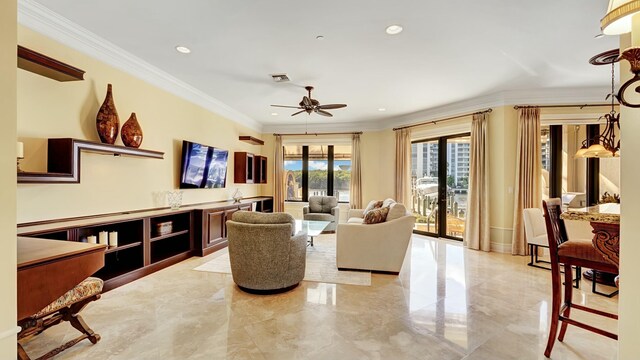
(355, 187)
(278, 178)
(477, 232)
(403, 166)
(528, 173)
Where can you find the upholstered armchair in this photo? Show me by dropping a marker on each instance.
(322, 208)
(265, 254)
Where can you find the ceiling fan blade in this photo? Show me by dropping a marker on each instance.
(324, 113)
(332, 106)
(296, 113)
(306, 101)
(286, 106)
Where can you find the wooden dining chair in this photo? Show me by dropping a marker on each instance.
(569, 253)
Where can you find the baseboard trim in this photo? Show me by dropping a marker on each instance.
(501, 248)
(10, 332)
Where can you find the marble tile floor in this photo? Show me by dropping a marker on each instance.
(447, 303)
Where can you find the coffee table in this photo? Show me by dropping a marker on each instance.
(311, 227)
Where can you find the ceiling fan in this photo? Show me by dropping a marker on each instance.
(310, 105)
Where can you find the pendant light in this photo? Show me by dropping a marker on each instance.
(605, 144)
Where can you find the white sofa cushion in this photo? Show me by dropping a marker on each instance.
(355, 220)
(387, 202)
(396, 211)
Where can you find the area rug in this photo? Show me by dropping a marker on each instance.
(321, 264)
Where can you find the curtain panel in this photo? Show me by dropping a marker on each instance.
(403, 166)
(477, 226)
(278, 178)
(355, 188)
(528, 174)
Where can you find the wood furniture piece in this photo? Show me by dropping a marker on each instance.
(213, 226)
(251, 140)
(63, 161)
(140, 251)
(40, 64)
(569, 253)
(53, 287)
(243, 168)
(41, 260)
(260, 169)
(143, 247)
(605, 221)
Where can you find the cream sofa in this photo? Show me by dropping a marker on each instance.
(376, 247)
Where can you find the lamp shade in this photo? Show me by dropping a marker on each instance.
(597, 151)
(618, 18)
(580, 153)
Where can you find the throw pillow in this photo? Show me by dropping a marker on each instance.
(376, 216)
(373, 204)
(396, 211)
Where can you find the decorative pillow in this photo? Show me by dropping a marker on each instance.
(373, 204)
(396, 211)
(376, 216)
(387, 202)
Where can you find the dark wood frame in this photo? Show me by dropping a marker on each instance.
(40, 64)
(251, 140)
(561, 308)
(64, 159)
(140, 252)
(243, 168)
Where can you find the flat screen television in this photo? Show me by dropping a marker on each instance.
(203, 167)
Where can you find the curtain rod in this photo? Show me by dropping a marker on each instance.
(445, 119)
(317, 134)
(581, 106)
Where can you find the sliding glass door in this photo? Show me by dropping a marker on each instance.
(440, 181)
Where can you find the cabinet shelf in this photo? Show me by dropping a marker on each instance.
(40, 64)
(63, 163)
(251, 140)
(111, 249)
(170, 235)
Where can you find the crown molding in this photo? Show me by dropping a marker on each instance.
(42, 20)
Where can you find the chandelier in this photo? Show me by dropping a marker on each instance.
(605, 144)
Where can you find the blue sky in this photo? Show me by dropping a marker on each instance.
(315, 165)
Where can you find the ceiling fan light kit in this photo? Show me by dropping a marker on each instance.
(311, 105)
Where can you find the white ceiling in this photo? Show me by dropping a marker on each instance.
(449, 51)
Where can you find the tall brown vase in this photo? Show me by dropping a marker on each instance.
(107, 121)
(131, 132)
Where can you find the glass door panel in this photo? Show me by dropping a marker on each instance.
(458, 164)
(424, 186)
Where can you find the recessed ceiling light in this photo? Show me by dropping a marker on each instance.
(319, 37)
(382, 109)
(394, 29)
(274, 114)
(183, 49)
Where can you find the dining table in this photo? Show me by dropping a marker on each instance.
(605, 222)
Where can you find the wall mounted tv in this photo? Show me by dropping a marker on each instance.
(203, 166)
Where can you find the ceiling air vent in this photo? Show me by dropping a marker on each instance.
(280, 78)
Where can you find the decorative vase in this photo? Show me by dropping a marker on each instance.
(131, 133)
(174, 198)
(107, 121)
(237, 196)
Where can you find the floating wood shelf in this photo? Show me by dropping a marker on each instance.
(43, 65)
(251, 140)
(63, 163)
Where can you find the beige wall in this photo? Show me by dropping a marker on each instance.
(629, 326)
(503, 126)
(378, 149)
(8, 14)
(48, 108)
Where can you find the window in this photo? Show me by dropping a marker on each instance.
(317, 170)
